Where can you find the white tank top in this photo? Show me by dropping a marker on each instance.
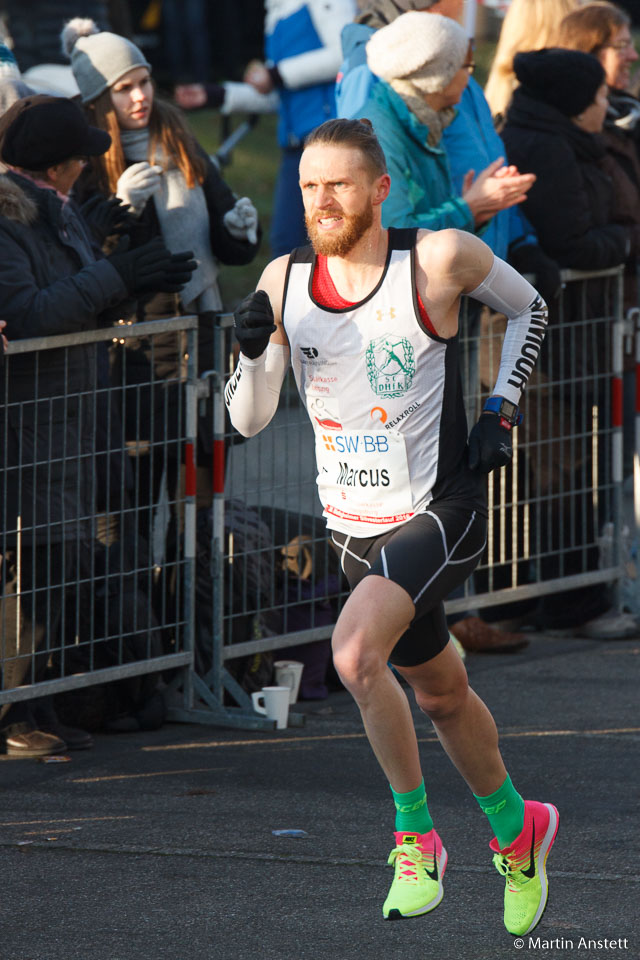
(383, 395)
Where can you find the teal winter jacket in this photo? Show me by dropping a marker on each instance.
(422, 193)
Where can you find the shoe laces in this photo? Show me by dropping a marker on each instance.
(409, 856)
(514, 876)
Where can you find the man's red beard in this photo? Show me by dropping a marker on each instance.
(340, 242)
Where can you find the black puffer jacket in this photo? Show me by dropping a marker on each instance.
(49, 284)
(571, 204)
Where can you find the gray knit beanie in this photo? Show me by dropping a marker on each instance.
(377, 13)
(426, 48)
(98, 58)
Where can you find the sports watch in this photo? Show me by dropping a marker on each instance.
(505, 409)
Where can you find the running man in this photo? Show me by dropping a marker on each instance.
(369, 320)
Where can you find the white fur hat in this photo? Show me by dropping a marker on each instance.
(419, 46)
(98, 58)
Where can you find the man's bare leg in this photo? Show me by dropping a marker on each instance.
(376, 615)
(464, 725)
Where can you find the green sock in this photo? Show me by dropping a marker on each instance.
(505, 812)
(412, 812)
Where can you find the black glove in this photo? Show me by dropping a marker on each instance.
(254, 324)
(490, 443)
(531, 258)
(105, 217)
(151, 268)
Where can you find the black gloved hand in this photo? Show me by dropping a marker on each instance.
(106, 216)
(531, 258)
(254, 324)
(490, 443)
(151, 268)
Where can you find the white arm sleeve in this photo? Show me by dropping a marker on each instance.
(320, 65)
(252, 393)
(505, 291)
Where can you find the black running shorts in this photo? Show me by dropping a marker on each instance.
(428, 556)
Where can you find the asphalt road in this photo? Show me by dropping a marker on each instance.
(159, 846)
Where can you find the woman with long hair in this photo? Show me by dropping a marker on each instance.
(169, 185)
(528, 25)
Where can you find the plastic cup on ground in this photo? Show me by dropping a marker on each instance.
(288, 674)
(274, 703)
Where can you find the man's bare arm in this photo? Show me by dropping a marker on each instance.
(253, 391)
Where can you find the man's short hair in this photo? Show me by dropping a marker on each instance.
(358, 134)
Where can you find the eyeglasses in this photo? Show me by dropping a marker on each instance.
(469, 66)
(620, 47)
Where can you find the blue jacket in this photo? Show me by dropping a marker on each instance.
(470, 142)
(422, 193)
(302, 40)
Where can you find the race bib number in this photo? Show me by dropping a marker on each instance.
(363, 478)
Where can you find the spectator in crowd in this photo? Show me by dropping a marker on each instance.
(302, 48)
(156, 167)
(554, 121)
(423, 64)
(51, 282)
(605, 31)
(528, 25)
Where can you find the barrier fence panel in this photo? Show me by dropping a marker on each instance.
(555, 512)
(97, 523)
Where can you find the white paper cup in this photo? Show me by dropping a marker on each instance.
(274, 703)
(288, 674)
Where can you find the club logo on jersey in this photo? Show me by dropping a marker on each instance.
(390, 365)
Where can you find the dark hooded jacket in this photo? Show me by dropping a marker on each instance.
(50, 283)
(571, 204)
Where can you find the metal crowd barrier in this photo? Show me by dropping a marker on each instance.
(97, 510)
(147, 573)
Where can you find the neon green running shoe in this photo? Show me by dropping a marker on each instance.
(523, 865)
(420, 861)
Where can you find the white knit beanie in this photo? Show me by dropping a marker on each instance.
(98, 58)
(424, 47)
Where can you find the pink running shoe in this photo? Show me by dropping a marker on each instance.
(420, 861)
(523, 865)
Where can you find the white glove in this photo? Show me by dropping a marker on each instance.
(138, 182)
(242, 221)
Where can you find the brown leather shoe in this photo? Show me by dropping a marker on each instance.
(32, 743)
(476, 636)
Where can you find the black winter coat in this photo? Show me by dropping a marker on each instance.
(49, 284)
(571, 203)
